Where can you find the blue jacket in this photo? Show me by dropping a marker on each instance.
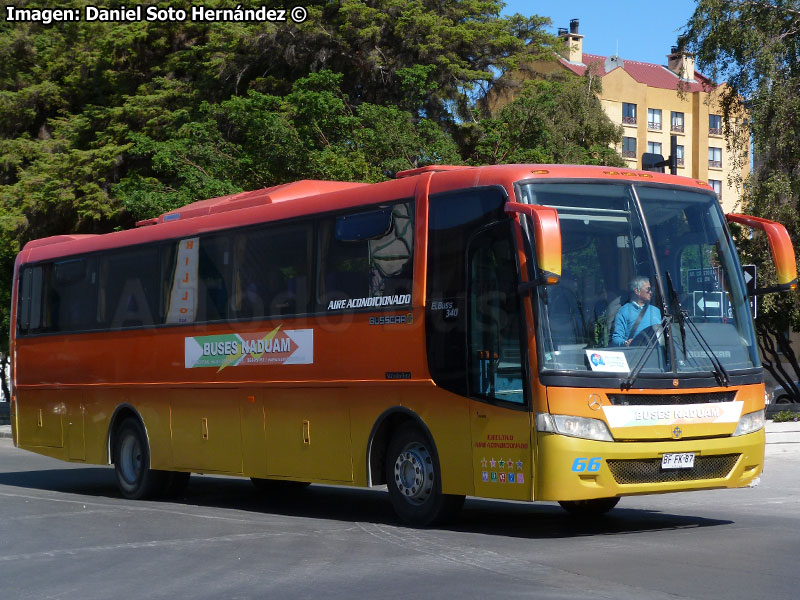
(626, 317)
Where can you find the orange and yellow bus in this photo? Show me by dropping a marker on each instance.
(454, 331)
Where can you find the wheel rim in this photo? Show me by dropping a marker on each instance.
(130, 459)
(413, 473)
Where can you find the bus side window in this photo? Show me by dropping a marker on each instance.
(214, 274)
(366, 254)
(70, 295)
(271, 274)
(130, 288)
(30, 305)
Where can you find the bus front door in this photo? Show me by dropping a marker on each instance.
(501, 427)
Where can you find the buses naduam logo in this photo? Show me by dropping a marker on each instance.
(276, 347)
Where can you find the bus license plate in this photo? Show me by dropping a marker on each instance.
(684, 460)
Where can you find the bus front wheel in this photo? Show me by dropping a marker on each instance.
(589, 508)
(135, 479)
(414, 481)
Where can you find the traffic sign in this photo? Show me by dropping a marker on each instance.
(703, 279)
(750, 282)
(708, 304)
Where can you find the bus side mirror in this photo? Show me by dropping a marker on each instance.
(547, 239)
(780, 244)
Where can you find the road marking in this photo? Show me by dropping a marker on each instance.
(122, 506)
(58, 515)
(149, 544)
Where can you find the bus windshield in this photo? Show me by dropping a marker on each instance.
(650, 283)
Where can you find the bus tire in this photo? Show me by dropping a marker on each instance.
(414, 480)
(278, 486)
(135, 479)
(589, 508)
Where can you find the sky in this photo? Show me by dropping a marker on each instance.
(642, 30)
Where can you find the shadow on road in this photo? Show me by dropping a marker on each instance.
(488, 517)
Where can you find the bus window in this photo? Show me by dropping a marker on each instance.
(272, 271)
(354, 266)
(70, 295)
(495, 357)
(131, 288)
(214, 272)
(30, 317)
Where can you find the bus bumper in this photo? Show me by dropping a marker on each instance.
(570, 468)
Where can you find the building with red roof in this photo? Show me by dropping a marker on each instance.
(653, 102)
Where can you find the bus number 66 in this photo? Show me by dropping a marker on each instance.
(590, 465)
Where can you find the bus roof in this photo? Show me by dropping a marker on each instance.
(308, 197)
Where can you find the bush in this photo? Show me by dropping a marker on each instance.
(785, 416)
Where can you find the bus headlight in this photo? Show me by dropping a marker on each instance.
(580, 427)
(750, 422)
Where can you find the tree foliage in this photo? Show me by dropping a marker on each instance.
(754, 45)
(555, 119)
(105, 123)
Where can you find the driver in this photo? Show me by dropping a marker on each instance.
(637, 315)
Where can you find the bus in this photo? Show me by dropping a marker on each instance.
(452, 332)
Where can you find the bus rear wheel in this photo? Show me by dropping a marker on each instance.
(414, 481)
(135, 479)
(589, 508)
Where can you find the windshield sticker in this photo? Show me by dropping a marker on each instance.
(289, 347)
(641, 416)
(373, 302)
(607, 361)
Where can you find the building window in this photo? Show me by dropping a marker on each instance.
(715, 157)
(654, 119)
(676, 122)
(628, 113)
(654, 147)
(629, 147)
(714, 125)
(679, 155)
(717, 185)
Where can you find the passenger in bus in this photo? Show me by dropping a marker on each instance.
(637, 315)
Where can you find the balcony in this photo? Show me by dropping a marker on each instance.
(715, 131)
(679, 162)
(714, 164)
(675, 128)
(629, 154)
(629, 120)
(654, 126)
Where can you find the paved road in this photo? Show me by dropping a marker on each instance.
(65, 533)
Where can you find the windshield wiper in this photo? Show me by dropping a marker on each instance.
(645, 354)
(683, 318)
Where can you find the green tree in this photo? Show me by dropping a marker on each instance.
(102, 124)
(556, 119)
(261, 140)
(754, 46)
